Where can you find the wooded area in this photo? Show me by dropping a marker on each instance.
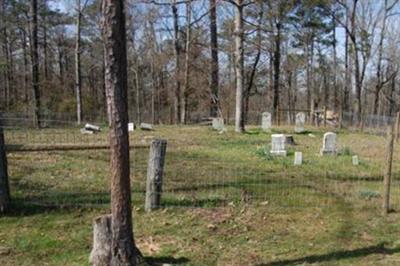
(188, 60)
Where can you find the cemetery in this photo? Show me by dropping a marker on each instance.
(183, 132)
(252, 190)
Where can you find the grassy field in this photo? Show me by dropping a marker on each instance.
(255, 209)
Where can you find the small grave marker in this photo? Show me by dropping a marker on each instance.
(300, 121)
(218, 123)
(329, 144)
(355, 160)
(278, 144)
(298, 158)
(131, 127)
(266, 122)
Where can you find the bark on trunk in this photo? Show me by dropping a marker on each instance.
(214, 68)
(4, 184)
(123, 251)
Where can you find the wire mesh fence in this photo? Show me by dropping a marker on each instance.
(199, 174)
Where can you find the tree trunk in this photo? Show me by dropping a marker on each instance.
(78, 76)
(35, 64)
(177, 99)
(277, 69)
(123, 251)
(4, 184)
(239, 66)
(185, 92)
(214, 69)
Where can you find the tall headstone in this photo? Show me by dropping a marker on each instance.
(329, 143)
(300, 121)
(266, 122)
(278, 144)
(218, 123)
(298, 158)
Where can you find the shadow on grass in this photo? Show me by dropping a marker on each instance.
(166, 260)
(337, 255)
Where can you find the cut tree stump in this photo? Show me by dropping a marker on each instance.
(102, 237)
(101, 252)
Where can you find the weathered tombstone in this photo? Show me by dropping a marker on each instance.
(131, 127)
(218, 123)
(155, 170)
(86, 132)
(329, 143)
(355, 160)
(146, 127)
(300, 121)
(266, 122)
(93, 128)
(298, 158)
(278, 144)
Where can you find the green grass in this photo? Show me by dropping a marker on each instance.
(255, 209)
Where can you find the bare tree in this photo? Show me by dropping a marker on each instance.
(239, 65)
(35, 62)
(185, 91)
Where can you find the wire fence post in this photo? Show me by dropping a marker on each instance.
(4, 184)
(388, 171)
(155, 170)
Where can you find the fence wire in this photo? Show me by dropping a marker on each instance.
(80, 178)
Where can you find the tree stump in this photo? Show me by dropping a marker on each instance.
(101, 252)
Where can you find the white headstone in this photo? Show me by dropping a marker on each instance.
(131, 127)
(93, 128)
(146, 126)
(300, 121)
(355, 160)
(329, 143)
(298, 158)
(278, 144)
(218, 123)
(266, 122)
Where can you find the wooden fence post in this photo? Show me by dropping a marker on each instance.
(4, 184)
(388, 171)
(155, 170)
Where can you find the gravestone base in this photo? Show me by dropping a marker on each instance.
(327, 152)
(279, 153)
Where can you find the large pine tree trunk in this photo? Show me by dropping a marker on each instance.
(214, 84)
(35, 63)
(239, 66)
(123, 251)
